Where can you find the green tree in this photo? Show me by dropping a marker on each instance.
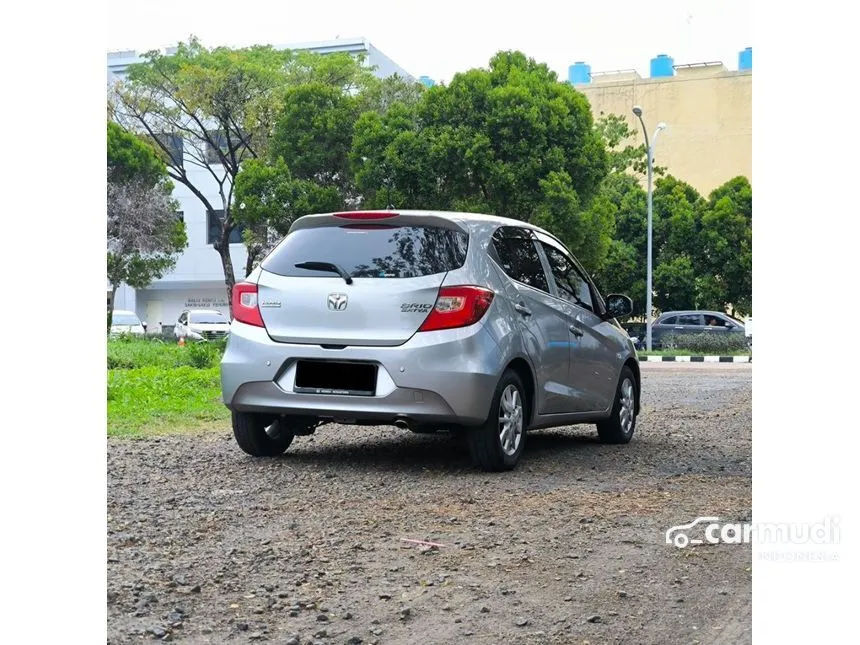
(586, 231)
(335, 70)
(144, 236)
(222, 104)
(131, 157)
(486, 142)
(269, 199)
(702, 248)
(381, 94)
(622, 156)
(392, 161)
(726, 240)
(313, 134)
(677, 218)
(307, 166)
(623, 269)
(675, 284)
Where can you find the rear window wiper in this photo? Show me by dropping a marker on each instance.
(331, 267)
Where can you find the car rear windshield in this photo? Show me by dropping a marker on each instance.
(125, 319)
(370, 251)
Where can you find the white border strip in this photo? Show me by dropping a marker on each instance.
(698, 359)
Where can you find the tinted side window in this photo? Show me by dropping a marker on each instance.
(690, 319)
(571, 285)
(518, 256)
(717, 321)
(671, 320)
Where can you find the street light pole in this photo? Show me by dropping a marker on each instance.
(649, 150)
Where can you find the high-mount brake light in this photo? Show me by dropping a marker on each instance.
(246, 306)
(365, 215)
(458, 307)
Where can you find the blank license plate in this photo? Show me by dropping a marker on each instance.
(333, 377)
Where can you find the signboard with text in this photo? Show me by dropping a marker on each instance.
(208, 302)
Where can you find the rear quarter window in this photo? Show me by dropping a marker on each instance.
(371, 251)
(515, 251)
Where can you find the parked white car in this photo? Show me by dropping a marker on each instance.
(201, 324)
(126, 322)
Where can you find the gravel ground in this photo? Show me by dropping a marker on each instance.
(207, 545)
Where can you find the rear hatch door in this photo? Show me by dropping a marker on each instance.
(337, 281)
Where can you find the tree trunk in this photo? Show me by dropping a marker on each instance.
(223, 249)
(249, 262)
(253, 252)
(111, 306)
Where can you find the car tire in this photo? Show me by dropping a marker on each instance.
(262, 435)
(621, 424)
(486, 441)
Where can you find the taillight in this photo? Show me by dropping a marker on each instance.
(364, 215)
(245, 306)
(458, 307)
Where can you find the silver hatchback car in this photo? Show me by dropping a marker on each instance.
(426, 320)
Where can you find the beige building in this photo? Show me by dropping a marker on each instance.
(708, 110)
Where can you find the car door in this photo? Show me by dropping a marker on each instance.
(543, 319)
(181, 324)
(689, 323)
(661, 327)
(716, 323)
(594, 342)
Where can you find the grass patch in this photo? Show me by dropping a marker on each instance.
(134, 353)
(156, 400)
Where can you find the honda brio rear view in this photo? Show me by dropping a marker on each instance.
(427, 321)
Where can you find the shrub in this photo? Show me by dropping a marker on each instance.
(203, 355)
(705, 343)
(126, 354)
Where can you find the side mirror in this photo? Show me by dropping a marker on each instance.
(618, 306)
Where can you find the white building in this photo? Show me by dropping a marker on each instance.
(197, 281)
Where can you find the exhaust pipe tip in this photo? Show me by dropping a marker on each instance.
(403, 424)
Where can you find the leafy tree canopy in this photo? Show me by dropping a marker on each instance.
(130, 157)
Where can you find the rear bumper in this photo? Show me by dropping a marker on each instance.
(436, 377)
(419, 406)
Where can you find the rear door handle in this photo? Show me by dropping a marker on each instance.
(576, 331)
(525, 311)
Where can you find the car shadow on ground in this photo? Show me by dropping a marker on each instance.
(406, 452)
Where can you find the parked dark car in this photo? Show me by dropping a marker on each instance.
(636, 331)
(677, 323)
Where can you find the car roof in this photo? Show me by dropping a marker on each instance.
(703, 312)
(457, 217)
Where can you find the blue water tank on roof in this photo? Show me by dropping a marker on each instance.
(429, 82)
(662, 66)
(579, 73)
(745, 59)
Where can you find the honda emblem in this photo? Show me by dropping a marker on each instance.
(337, 301)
